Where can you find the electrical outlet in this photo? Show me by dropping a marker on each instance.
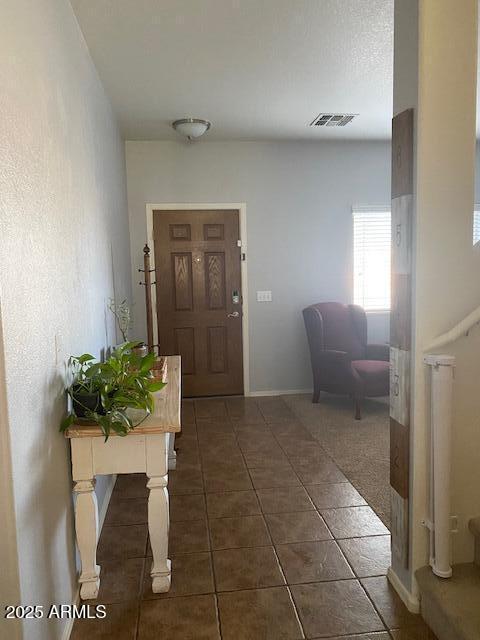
(264, 296)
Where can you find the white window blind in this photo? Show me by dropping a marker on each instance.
(476, 224)
(371, 257)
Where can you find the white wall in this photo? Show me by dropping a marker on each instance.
(64, 236)
(299, 198)
(439, 59)
(447, 265)
(9, 582)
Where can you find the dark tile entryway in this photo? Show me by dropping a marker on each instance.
(268, 541)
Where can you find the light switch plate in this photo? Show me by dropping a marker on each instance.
(264, 296)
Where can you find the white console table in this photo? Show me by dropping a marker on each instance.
(148, 449)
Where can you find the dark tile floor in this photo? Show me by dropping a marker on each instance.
(268, 541)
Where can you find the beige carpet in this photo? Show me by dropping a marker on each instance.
(359, 447)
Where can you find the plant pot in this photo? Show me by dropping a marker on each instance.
(159, 369)
(141, 350)
(84, 402)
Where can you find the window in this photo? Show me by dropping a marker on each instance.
(371, 257)
(476, 224)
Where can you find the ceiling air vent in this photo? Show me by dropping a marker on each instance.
(333, 119)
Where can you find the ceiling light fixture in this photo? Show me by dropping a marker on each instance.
(191, 128)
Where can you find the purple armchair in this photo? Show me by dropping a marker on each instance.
(342, 361)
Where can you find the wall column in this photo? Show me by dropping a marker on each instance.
(433, 266)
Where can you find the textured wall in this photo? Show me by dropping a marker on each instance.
(63, 246)
(299, 226)
(447, 286)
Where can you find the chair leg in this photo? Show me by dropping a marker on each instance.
(316, 396)
(358, 413)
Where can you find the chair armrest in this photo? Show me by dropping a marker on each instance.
(378, 352)
(334, 369)
(334, 357)
(331, 362)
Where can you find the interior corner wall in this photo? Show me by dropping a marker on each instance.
(64, 251)
(299, 198)
(405, 96)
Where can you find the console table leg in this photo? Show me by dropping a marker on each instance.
(86, 524)
(158, 525)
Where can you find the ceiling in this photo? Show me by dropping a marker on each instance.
(258, 69)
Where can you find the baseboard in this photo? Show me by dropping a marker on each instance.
(411, 601)
(279, 392)
(67, 630)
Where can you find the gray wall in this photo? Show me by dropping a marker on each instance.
(299, 198)
(64, 250)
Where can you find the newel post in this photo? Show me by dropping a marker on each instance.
(440, 524)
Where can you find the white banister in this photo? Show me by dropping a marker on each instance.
(442, 369)
(460, 329)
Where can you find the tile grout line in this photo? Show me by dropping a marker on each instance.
(341, 470)
(263, 514)
(212, 565)
(290, 595)
(314, 508)
(139, 603)
(235, 434)
(207, 521)
(304, 486)
(305, 426)
(346, 559)
(357, 578)
(289, 457)
(336, 540)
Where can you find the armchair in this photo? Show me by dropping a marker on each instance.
(342, 361)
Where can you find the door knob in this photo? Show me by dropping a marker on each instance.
(235, 314)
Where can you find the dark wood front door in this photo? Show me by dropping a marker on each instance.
(199, 297)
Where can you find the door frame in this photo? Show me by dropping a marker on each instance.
(241, 207)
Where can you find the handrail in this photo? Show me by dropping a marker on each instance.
(462, 328)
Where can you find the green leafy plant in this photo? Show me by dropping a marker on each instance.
(104, 392)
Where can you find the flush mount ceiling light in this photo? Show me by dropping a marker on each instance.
(191, 128)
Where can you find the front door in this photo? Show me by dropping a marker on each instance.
(199, 297)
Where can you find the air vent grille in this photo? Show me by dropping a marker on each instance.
(333, 119)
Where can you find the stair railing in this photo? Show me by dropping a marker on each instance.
(459, 330)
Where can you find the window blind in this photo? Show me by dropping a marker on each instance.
(371, 257)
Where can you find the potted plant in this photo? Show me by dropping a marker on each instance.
(109, 393)
(123, 318)
(84, 390)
